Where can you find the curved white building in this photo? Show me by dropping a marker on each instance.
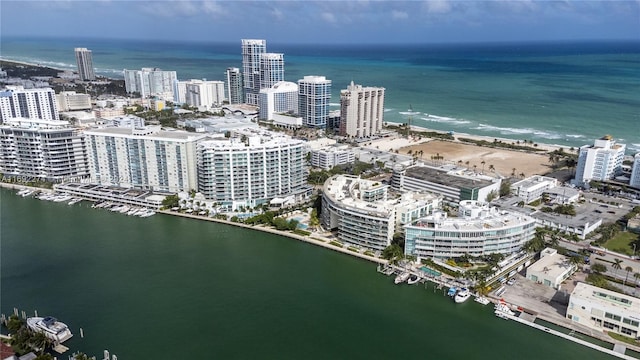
(478, 230)
(252, 169)
(364, 215)
(282, 97)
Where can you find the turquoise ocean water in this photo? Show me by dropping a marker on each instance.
(559, 93)
(173, 288)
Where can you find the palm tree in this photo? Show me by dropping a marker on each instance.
(492, 168)
(459, 162)
(628, 269)
(616, 266)
(576, 260)
(483, 162)
(474, 168)
(637, 277)
(513, 172)
(467, 163)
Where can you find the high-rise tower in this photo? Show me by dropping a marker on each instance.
(361, 110)
(234, 86)
(251, 51)
(271, 69)
(84, 59)
(314, 95)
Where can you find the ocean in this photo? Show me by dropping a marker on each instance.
(172, 288)
(565, 93)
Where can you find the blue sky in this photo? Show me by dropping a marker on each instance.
(329, 21)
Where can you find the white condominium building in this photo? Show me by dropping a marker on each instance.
(151, 82)
(635, 172)
(331, 156)
(361, 110)
(314, 96)
(252, 49)
(282, 97)
(478, 230)
(203, 94)
(604, 310)
(18, 102)
(84, 60)
(234, 86)
(532, 188)
(363, 213)
(600, 161)
(145, 158)
(251, 168)
(271, 69)
(71, 101)
(45, 149)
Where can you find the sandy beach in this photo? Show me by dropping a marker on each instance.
(505, 162)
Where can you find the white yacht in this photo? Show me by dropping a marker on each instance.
(482, 300)
(50, 327)
(402, 277)
(462, 295)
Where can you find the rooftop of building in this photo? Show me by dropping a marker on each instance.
(552, 264)
(35, 124)
(148, 132)
(447, 175)
(491, 218)
(607, 298)
(347, 190)
(533, 181)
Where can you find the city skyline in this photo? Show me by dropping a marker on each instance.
(326, 22)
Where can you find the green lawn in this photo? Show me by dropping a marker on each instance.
(622, 242)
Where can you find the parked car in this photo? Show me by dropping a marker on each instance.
(511, 281)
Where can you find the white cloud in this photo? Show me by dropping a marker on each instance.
(328, 17)
(213, 8)
(277, 14)
(437, 6)
(399, 15)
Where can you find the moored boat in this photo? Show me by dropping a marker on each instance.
(462, 295)
(402, 277)
(413, 279)
(50, 327)
(482, 300)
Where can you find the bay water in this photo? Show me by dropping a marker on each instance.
(166, 287)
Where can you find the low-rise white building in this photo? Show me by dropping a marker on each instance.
(364, 215)
(452, 182)
(532, 188)
(72, 101)
(332, 156)
(478, 230)
(551, 270)
(604, 310)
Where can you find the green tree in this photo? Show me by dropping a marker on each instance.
(637, 277)
(616, 266)
(492, 195)
(505, 188)
(628, 269)
(171, 201)
(598, 268)
(393, 253)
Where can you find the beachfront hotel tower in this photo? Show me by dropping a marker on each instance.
(202, 94)
(280, 98)
(271, 69)
(361, 110)
(600, 161)
(478, 230)
(252, 49)
(143, 157)
(50, 150)
(151, 82)
(18, 102)
(234, 86)
(251, 168)
(635, 172)
(365, 215)
(314, 96)
(84, 60)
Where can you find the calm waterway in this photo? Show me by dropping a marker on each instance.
(166, 287)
